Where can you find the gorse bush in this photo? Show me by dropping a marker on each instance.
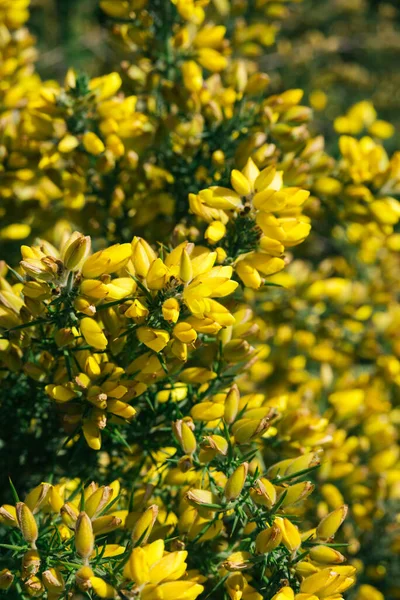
(199, 320)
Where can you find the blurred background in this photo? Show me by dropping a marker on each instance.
(349, 49)
(69, 33)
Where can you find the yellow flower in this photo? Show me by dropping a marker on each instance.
(6, 579)
(183, 431)
(326, 555)
(211, 59)
(53, 581)
(16, 231)
(106, 86)
(93, 333)
(268, 539)
(207, 411)
(184, 332)
(107, 261)
(215, 232)
(170, 310)
(93, 143)
(156, 339)
(144, 525)
(290, 534)
(331, 523)
(236, 481)
(192, 76)
(75, 250)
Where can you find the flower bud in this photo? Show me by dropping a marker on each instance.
(192, 76)
(75, 251)
(157, 275)
(331, 495)
(92, 143)
(237, 350)
(246, 430)
(106, 524)
(98, 500)
(41, 269)
(6, 579)
(268, 539)
(221, 255)
(236, 481)
(8, 515)
(144, 525)
(215, 443)
(102, 588)
(69, 514)
(185, 267)
(263, 493)
(293, 466)
(232, 404)
(184, 434)
(207, 411)
(37, 497)
(36, 290)
(200, 498)
(30, 563)
(68, 144)
(297, 492)
(33, 586)
(84, 306)
(257, 83)
(179, 349)
(331, 523)
(53, 581)
(63, 337)
(326, 555)
(185, 463)
(143, 256)
(27, 523)
(84, 538)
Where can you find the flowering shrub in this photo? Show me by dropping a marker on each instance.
(200, 305)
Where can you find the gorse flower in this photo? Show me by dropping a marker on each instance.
(264, 216)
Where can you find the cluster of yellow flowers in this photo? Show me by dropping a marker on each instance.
(60, 545)
(330, 355)
(191, 112)
(205, 311)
